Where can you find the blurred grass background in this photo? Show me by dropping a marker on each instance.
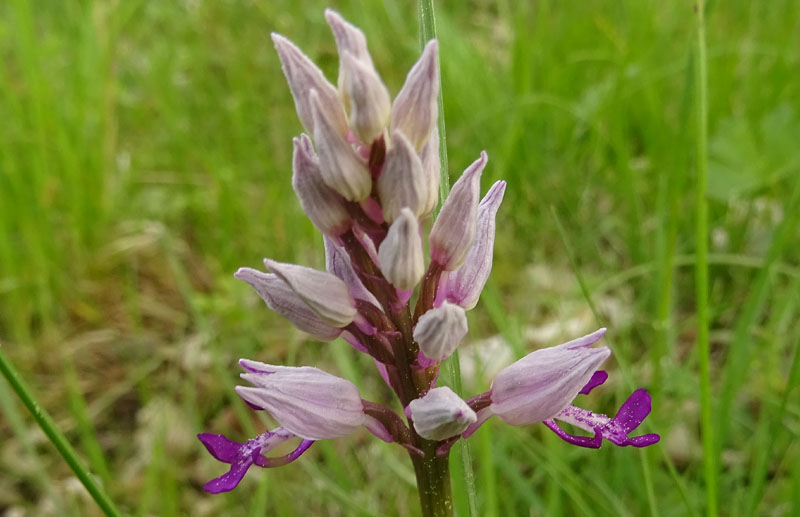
(145, 156)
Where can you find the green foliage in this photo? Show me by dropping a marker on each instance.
(145, 155)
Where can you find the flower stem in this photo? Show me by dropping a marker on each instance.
(433, 481)
(56, 437)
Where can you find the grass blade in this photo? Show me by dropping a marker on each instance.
(427, 31)
(701, 266)
(56, 437)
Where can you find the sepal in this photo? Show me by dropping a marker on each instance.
(303, 76)
(341, 167)
(324, 294)
(453, 231)
(282, 300)
(403, 182)
(323, 205)
(415, 108)
(307, 401)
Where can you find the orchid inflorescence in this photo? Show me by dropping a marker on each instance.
(368, 177)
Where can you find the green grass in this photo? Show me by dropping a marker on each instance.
(145, 155)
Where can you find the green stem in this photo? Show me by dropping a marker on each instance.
(433, 481)
(56, 437)
(701, 266)
(427, 31)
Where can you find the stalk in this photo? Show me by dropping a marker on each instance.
(56, 437)
(701, 267)
(427, 31)
(433, 481)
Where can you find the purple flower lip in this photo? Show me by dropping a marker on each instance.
(241, 456)
(616, 430)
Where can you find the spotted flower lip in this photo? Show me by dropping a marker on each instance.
(241, 456)
(367, 174)
(616, 430)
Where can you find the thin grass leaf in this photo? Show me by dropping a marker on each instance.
(701, 266)
(770, 426)
(738, 358)
(55, 436)
(427, 31)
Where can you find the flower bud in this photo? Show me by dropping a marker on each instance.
(323, 205)
(366, 97)
(349, 39)
(440, 414)
(324, 294)
(400, 254)
(465, 284)
(337, 262)
(415, 110)
(303, 76)
(439, 331)
(402, 182)
(280, 298)
(307, 401)
(432, 168)
(453, 232)
(541, 384)
(341, 167)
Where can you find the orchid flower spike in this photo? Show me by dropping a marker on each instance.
(367, 172)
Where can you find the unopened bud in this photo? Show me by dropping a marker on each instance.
(341, 167)
(324, 294)
(303, 76)
(400, 254)
(432, 167)
(454, 229)
(367, 98)
(349, 39)
(403, 182)
(415, 110)
(441, 414)
(337, 262)
(464, 285)
(439, 331)
(280, 298)
(323, 205)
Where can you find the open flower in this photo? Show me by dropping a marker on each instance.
(540, 387)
